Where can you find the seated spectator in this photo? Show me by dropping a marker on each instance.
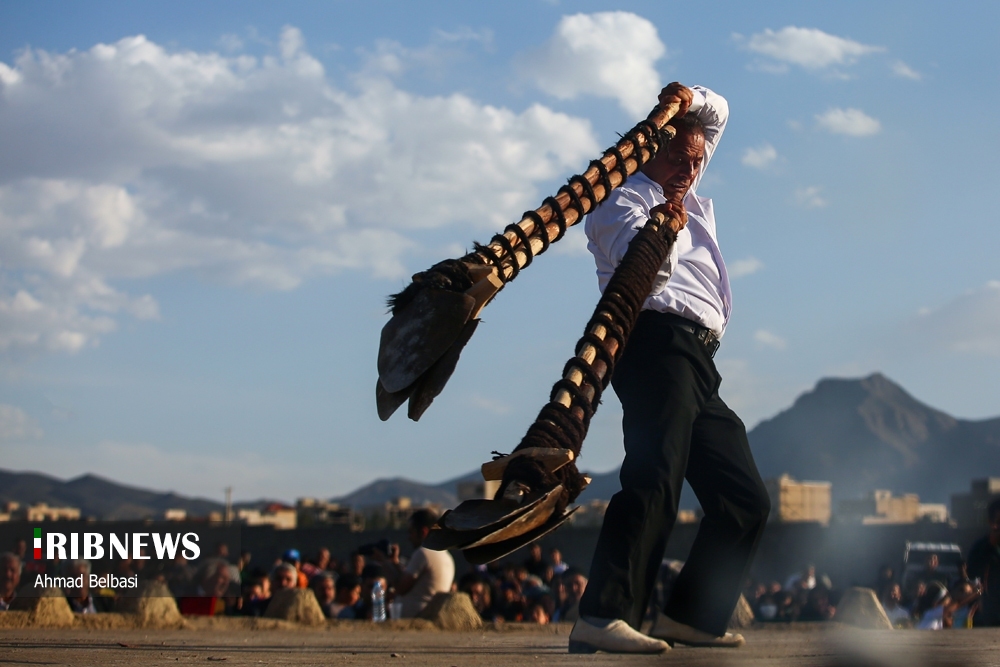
(317, 565)
(356, 564)
(576, 584)
(892, 599)
(817, 606)
(427, 572)
(964, 600)
(294, 558)
(931, 573)
(326, 592)
(478, 589)
(10, 578)
(210, 593)
(885, 579)
(802, 581)
(931, 607)
(256, 593)
(510, 602)
(283, 577)
(346, 597)
(80, 600)
(179, 575)
(540, 611)
(536, 563)
(558, 565)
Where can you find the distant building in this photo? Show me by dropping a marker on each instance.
(13, 511)
(477, 489)
(880, 507)
(799, 502)
(175, 515)
(969, 509)
(933, 512)
(312, 512)
(280, 516)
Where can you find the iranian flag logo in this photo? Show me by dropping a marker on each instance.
(38, 544)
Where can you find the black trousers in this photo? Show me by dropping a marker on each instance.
(676, 426)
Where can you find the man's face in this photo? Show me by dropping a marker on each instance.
(285, 578)
(576, 585)
(349, 596)
(676, 169)
(932, 562)
(10, 576)
(995, 525)
(217, 582)
(324, 591)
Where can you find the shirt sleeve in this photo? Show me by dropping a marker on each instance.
(612, 226)
(712, 110)
(417, 563)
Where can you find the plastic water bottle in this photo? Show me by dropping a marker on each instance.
(378, 602)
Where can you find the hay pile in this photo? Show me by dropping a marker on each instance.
(48, 610)
(860, 607)
(452, 611)
(155, 607)
(296, 604)
(742, 616)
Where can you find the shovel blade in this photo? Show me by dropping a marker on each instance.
(415, 338)
(387, 402)
(433, 381)
(497, 550)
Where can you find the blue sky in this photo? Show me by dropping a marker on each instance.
(203, 206)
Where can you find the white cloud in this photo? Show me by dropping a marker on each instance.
(607, 54)
(809, 197)
(131, 160)
(901, 69)
(760, 157)
(488, 404)
(852, 122)
(768, 339)
(809, 48)
(744, 267)
(968, 324)
(15, 424)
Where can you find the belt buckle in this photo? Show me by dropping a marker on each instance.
(713, 347)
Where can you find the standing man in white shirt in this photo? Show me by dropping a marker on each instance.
(675, 424)
(426, 573)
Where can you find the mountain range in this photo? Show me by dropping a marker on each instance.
(859, 434)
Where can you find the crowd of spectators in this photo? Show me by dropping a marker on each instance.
(537, 590)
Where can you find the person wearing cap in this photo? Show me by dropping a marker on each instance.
(294, 558)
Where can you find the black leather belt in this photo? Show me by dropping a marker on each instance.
(705, 336)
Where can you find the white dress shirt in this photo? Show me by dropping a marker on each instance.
(693, 282)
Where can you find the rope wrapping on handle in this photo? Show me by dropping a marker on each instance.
(565, 427)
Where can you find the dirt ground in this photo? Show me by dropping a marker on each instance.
(827, 645)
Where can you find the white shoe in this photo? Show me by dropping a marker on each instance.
(672, 632)
(616, 637)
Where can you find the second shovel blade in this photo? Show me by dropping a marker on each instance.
(415, 338)
(433, 381)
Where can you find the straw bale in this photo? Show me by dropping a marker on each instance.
(48, 609)
(452, 611)
(296, 604)
(861, 608)
(742, 616)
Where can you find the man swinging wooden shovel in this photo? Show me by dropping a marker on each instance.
(665, 305)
